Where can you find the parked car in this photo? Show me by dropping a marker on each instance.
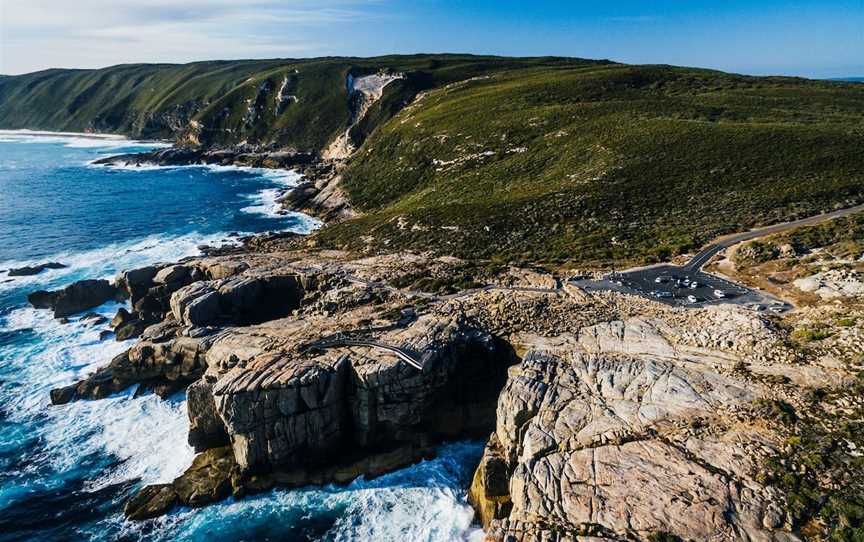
(692, 299)
(694, 285)
(719, 293)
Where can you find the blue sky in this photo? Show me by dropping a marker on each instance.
(809, 38)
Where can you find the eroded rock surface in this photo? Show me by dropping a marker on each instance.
(611, 417)
(77, 297)
(635, 427)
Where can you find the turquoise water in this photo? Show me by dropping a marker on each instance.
(65, 471)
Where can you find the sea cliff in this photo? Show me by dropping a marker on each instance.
(610, 415)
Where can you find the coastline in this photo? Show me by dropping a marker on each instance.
(49, 133)
(316, 193)
(72, 350)
(293, 362)
(152, 391)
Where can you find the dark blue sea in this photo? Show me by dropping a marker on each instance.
(65, 471)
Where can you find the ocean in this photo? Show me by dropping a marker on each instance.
(65, 471)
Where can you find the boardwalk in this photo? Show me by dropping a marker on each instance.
(339, 340)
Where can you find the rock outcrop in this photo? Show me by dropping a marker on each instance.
(608, 417)
(164, 367)
(29, 270)
(631, 428)
(77, 297)
(252, 156)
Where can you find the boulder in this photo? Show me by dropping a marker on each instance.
(173, 274)
(35, 269)
(196, 305)
(151, 502)
(136, 282)
(224, 269)
(161, 332)
(208, 479)
(489, 493)
(42, 299)
(77, 297)
(122, 318)
(129, 330)
(239, 300)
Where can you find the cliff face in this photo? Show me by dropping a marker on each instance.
(637, 427)
(607, 416)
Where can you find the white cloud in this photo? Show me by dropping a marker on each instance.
(39, 34)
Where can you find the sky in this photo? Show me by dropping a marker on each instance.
(808, 38)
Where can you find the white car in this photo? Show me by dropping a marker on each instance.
(694, 285)
(719, 294)
(692, 299)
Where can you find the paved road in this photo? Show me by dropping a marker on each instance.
(664, 283)
(670, 283)
(704, 256)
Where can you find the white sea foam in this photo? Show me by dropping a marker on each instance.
(424, 502)
(264, 203)
(76, 140)
(130, 166)
(147, 436)
(106, 261)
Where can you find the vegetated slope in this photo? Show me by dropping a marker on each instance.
(593, 164)
(298, 103)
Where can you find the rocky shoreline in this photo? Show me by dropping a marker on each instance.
(318, 193)
(610, 416)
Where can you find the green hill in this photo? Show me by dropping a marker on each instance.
(536, 159)
(299, 103)
(593, 164)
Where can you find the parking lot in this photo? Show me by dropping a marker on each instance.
(674, 285)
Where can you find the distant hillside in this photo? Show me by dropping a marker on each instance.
(849, 79)
(562, 161)
(595, 164)
(300, 103)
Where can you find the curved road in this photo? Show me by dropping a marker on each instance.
(693, 266)
(705, 255)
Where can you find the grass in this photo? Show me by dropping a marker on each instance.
(812, 333)
(230, 101)
(549, 161)
(821, 469)
(600, 163)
